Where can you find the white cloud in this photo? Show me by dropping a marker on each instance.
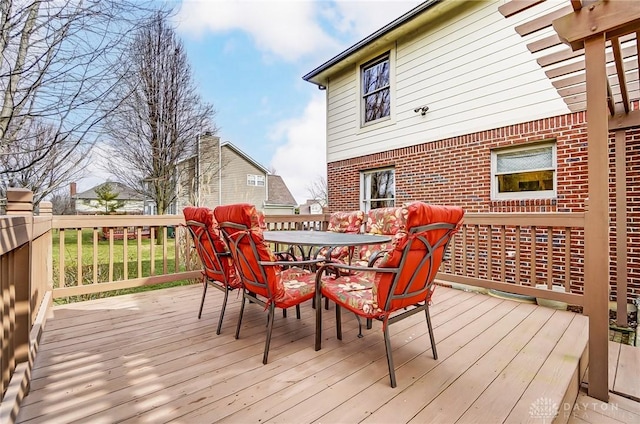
(361, 18)
(290, 29)
(287, 29)
(301, 158)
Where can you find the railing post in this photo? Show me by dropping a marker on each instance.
(20, 202)
(45, 208)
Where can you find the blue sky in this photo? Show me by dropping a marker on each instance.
(248, 59)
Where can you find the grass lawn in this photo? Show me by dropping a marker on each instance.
(103, 253)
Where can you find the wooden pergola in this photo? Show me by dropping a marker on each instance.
(597, 71)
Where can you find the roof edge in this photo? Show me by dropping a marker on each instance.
(370, 39)
(246, 156)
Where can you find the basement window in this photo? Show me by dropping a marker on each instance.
(527, 172)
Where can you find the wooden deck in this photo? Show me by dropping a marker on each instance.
(147, 358)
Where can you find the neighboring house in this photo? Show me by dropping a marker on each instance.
(311, 206)
(448, 105)
(87, 203)
(220, 173)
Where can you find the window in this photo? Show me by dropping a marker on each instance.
(524, 173)
(377, 189)
(376, 89)
(255, 180)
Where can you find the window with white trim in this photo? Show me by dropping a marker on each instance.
(376, 89)
(377, 188)
(255, 180)
(527, 172)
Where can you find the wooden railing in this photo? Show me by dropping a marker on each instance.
(95, 254)
(115, 251)
(514, 252)
(25, 281)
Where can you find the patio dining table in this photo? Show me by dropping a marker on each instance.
(310, 239)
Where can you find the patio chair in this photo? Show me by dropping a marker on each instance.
(218, 269)
(266, 281)
(401, 284)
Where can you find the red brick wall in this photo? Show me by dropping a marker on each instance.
(458, 171)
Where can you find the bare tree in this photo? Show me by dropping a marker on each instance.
(62, 202)
(159, 115)
(318, 191)
(64, 162)
(58, 69)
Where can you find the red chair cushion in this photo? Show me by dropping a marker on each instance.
(205, 216)
(247, 215)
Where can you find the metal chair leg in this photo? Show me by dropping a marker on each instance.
(431, 336)
(387, 345)
(360, 326)
(338, 323)
(369, 323)
(270, 320)
(284, 313)
(298, 311)
(317, 300)
(240, 317)
(204, 293)
(224, 306)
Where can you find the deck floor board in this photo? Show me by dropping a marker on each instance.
(146, 357)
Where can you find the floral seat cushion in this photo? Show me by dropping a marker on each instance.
(354, 292)
(298, 284)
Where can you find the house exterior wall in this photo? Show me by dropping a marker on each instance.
(457, 171)
(234, 180)
(452, 66)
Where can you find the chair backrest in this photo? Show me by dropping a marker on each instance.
(209, 245)
(417, 254)
(383, 221)
(346, 222)
(241, 228)
(343, 222)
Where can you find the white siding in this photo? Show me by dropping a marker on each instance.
(472, 70)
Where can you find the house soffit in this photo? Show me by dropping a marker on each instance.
(561, 54)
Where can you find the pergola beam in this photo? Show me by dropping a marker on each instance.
(612, 17)
(596, 231)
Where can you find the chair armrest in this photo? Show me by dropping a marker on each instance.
(285, 256)
(378, 254)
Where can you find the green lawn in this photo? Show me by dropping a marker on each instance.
(103, 254)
